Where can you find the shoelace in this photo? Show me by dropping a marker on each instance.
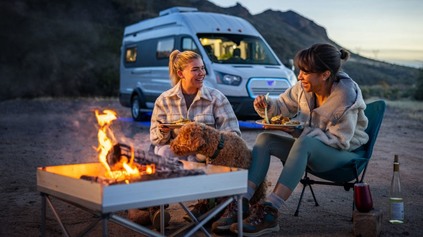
(231, 210)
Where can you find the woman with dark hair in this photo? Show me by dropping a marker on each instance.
(331, 107)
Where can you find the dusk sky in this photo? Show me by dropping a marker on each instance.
(389, 30)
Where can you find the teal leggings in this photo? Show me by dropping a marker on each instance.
(296, 155)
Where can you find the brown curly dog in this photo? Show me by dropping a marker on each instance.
(220, 148)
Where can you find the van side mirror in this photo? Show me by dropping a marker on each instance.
(291, 64)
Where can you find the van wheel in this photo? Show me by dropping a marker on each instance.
(137, 115)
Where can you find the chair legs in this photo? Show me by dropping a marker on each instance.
(306, 181)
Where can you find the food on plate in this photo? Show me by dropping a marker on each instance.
(181, 121)
(293, 122)
(279, 119)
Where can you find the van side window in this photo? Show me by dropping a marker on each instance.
(189, 44)
(164, 48)
(131, 54)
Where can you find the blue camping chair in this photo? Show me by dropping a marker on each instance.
(348, 175)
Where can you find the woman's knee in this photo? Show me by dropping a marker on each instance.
(264, 138)
(304, 142)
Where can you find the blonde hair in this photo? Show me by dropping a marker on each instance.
(178, 61)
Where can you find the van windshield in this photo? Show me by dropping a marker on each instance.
(237, 49)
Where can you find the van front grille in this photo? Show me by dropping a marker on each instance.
(261, 86)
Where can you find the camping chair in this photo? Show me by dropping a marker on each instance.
(348, 175)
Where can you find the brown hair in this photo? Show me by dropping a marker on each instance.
(321, 57)
(178, 61)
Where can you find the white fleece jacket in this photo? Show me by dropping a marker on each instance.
(340, 122)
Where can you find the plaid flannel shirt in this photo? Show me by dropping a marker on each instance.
(210, 106)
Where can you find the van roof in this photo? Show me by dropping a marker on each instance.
(177, 9)
(195, 22)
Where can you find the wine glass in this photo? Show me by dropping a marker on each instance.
(362, 197)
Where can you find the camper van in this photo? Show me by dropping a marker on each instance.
(237, 59)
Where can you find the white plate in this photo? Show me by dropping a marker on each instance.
(178, 125)
(266, 125)
(173, 125)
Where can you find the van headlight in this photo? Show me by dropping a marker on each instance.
(292, 78)
(228, 79)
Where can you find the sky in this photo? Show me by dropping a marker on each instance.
(387, 30)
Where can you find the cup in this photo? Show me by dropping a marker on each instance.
(362, 197)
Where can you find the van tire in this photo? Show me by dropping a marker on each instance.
(136, 112)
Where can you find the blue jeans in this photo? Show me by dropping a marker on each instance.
(296, 155)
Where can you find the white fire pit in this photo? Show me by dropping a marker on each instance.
(64, 182)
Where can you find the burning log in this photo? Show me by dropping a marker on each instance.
(122, 153)
(156, 176)
(98, 179)
(151, 167)
(124, 165)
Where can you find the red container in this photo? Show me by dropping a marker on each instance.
(362, 197)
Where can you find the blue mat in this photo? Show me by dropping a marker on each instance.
(242, 124)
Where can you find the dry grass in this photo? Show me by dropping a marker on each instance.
(414, 109)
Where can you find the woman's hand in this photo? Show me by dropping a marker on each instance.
(163, 129)
(260, 102)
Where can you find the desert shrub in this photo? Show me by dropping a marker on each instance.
(388, 92)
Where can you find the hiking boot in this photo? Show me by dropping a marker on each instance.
(155, 216)
(200, 208)
(263, 220)
(230, 216)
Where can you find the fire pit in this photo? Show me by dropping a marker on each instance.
(143, 181)
(64, 182)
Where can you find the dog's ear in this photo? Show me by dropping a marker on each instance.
(197, 136)
(197, 141)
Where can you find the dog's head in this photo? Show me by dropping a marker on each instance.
(189, 139)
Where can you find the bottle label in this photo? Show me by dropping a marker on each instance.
(397, 209)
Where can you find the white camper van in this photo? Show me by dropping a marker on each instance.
(237, 59)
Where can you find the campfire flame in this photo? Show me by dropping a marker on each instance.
(106, 140)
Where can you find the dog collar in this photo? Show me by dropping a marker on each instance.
(219, 147)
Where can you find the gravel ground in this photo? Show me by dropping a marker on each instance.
(47, 132)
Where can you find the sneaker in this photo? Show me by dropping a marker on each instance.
(230, 216)
(155, 216)
(263, 220)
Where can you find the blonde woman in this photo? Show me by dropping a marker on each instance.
(189, 99)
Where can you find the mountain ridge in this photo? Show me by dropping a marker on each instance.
(72, 47)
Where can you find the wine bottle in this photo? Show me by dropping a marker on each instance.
(396, 208)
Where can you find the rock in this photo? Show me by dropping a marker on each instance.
(367, 224)
(141, 217)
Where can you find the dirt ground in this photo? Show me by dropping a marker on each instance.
(48, 132)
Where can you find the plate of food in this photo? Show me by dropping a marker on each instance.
(178, 123)
(279, 121)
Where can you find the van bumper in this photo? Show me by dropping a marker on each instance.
(243, 108)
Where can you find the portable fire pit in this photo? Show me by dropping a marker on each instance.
(126, 179)
(65, 183)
